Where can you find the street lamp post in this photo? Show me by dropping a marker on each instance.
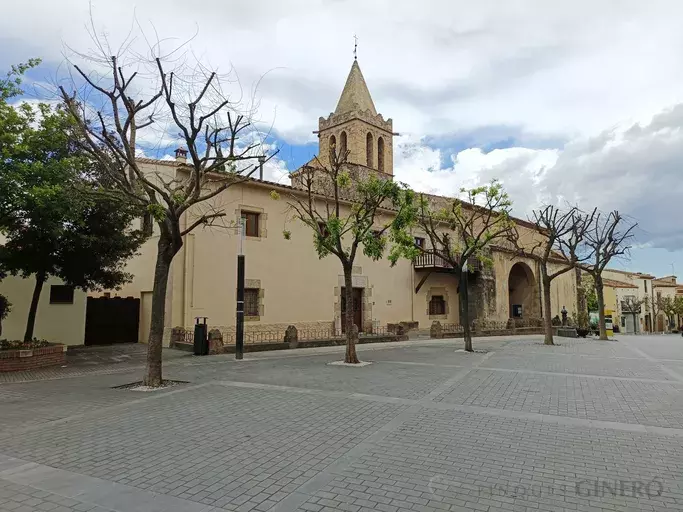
(239, 325)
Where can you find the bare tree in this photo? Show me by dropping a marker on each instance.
(128, 96)
(462, 231)
(609, 237)
(348, 211)
(632, 305)
(560, 234)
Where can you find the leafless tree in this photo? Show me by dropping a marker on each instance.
(559, 235)
(117, 98)
(632, 305)
(609, 237)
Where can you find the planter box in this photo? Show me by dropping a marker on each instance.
(21, 360)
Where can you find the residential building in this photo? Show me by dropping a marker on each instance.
(633, 292)
(664, 289)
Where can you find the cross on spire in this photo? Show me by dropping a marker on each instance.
(355, 47)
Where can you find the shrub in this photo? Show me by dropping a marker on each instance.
(20, 345)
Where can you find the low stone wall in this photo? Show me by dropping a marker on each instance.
(21, 360)
(438, 331)
(180, 341)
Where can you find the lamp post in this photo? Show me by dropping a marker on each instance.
(239, 325)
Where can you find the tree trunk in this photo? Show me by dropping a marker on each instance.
(166, 251)
(601, 307)
(33, 310)
(465, 311)
(635, 325)
(547, 313)
(351, 332)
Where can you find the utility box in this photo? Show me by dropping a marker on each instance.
(201, 337)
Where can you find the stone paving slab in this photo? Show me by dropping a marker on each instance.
(577, 364)
(312, 371)
(228, 448)
(455, 461)
(423, 428)
(658, 404)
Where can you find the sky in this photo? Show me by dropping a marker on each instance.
(577, 102)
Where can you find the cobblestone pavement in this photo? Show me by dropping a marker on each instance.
(585, 425)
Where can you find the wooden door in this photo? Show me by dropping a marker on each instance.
(356, 308)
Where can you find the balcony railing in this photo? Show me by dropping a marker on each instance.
(431, 260)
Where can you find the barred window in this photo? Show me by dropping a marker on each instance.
(437, 306)
(419, 242)
(251, 302)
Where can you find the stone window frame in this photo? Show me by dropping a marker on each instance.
(262, 220)
(442, 291)
(256, 284)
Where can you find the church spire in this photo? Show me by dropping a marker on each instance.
(355, 97)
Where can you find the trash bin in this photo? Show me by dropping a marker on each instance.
(201, 337)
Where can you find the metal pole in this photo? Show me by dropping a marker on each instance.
(239, 325)
(239, 329)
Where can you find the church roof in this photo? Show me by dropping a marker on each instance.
(355, 97)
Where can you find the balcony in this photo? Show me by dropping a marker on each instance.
(431, 261)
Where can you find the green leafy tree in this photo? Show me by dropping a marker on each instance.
(14, 123)
(348, 213)
(462, 231)
(58, 221)
(590, 295)
(678, 309)
(5, 309)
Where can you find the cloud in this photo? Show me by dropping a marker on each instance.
(562, 68)
(560, 100)
(634, 168)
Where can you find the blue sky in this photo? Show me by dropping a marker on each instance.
(577, 102)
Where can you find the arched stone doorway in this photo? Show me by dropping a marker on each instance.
(522, 292)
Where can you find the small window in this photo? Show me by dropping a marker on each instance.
(61, 294)
(251, 221)
(251, 302)
(380, 154)
(343, 147)
(419, 242)
(368, 148)
(645, 283)
(376, 233)
(437, 306)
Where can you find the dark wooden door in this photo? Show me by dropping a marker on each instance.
(112, 320)
(356, 309)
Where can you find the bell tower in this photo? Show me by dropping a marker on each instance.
(356, 126)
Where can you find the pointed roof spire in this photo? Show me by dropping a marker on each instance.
(355, 97)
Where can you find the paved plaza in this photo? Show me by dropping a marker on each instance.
(586, 425)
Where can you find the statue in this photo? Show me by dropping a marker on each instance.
(564, 316)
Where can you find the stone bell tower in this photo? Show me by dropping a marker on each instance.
(355, 125)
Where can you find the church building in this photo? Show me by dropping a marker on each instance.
(286, 282)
